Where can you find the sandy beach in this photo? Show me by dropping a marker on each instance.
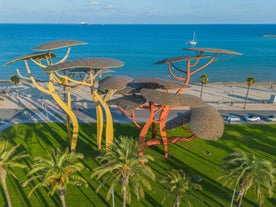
(224, 96)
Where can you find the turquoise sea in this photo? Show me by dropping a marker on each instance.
(140, 46)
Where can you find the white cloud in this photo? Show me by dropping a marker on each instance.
(109, 6)
(94, 3)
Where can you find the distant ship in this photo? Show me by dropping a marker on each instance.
(192, 42)
(84, 23)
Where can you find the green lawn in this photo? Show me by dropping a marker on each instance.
(39, 139)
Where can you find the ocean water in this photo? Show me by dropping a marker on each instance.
(141, 46)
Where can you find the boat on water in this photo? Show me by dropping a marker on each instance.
(84, 23)
(192, 42)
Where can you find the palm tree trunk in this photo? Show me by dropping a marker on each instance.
(201, 90)
(62, 196)
(240, 201)
(177, 203)
(244, 107)
(3, 175)
(124, 196)
(16, 90)
(68, 126)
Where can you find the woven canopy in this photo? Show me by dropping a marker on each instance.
(213, 50)
(114, 82)
(179, 120)
(161, 83)
(58, 44)
(84, 70)
(180, 59)
(171, 99)
(35, 56)
(206, 123)
(128, 102)
(131, 88)
(88, 63)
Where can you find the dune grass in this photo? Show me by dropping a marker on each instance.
(198, 158)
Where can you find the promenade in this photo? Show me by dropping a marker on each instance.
(33, 106)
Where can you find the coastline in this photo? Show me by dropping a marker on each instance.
(214, 92)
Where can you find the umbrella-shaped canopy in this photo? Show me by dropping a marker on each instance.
(58, 44)
(179, 120)
(171, 99)
(206, 123)
(84, 70)
(213, 50)
(161, 83)
(35, 56)
(114, 82)
(128, 103)
(180, 59)
(132, 88)
(88, 63)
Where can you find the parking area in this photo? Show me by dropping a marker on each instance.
(249, 117)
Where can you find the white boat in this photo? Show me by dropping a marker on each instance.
(84, 23)
(193, 42)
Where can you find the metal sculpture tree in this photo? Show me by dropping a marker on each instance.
(205, 121)
(91, 67)
(153, 95)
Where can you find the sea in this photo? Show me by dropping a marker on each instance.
(140, 47)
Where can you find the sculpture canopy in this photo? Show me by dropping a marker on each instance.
(161, 83)
(35, 56)
(205, 122)
(114, 82)
(85, 63)
(180, 59)
(58, 44)
(213, 50)
(171, 99)
(128, 103)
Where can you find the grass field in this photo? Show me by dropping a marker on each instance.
(191, 157)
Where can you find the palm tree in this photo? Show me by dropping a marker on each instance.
(204, 80)
(8, 160)
(121, 165)
(250, 82)
(247, 171)
(179, 186)
(15, 80)
(56, 172)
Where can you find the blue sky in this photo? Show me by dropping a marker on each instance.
(138, 11)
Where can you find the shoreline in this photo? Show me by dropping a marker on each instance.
(222, 95)
(225, 96)
(213, 93)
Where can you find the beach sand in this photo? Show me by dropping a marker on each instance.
(224, 96)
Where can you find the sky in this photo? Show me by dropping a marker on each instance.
(139, 11)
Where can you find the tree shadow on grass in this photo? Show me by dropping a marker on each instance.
(47, 136)
(259, 139)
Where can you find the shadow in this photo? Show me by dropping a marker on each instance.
(243, 98)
